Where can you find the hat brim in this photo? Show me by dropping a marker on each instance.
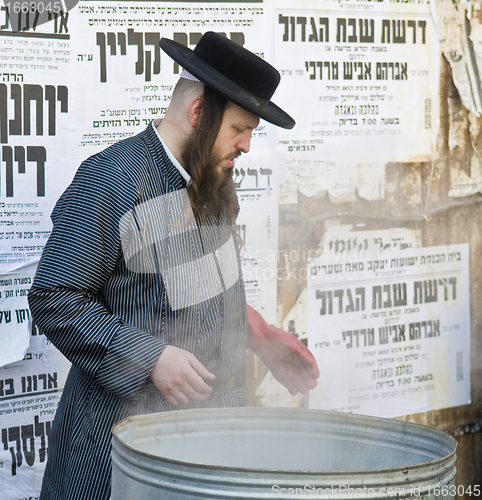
(186, 58)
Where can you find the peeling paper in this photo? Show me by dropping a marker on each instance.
(288, 194)
(475, 125)
(344, 182)
(310, 176)
(463, 184)
(371, 181)
(343, 194)
(458, 122)
(456, 44)
(296, 321)
(343, 189)
(16, 347)
(476, 34)
(476, 38)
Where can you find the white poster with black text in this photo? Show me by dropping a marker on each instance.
(391, 332)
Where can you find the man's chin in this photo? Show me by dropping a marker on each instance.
(224, 171)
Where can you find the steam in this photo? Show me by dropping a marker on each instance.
(197, 301)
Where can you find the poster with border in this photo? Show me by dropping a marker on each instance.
(391, 331)
(68, 89)
(362, 81)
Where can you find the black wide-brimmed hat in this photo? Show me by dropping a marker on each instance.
(234, 72)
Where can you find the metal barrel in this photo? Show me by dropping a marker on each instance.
(268, 453)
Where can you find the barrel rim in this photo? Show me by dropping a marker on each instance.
(287, 411)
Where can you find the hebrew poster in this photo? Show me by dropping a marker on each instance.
(390, 331)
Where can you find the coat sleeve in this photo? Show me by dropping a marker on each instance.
(80, 256)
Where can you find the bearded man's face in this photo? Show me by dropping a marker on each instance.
(234, 135)
(216, 185)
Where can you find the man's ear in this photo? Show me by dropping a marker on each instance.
(195, 111)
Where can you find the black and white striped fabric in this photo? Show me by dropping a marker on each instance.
(127, 270)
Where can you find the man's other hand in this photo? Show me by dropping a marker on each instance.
(180, 376)
(287, 358)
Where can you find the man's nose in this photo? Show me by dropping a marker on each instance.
(244, 143)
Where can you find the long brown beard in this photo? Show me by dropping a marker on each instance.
(210, 193)
(214, 195)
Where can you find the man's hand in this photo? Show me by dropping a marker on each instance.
(288, 359)
(180, 376)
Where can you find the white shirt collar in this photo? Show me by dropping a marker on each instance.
(181, 169)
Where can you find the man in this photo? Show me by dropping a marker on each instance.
(140, 283)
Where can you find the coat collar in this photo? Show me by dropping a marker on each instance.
(161, 158)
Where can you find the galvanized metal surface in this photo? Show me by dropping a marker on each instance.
(278, 453)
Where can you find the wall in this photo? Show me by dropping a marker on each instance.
(439, 201)
(387, 148)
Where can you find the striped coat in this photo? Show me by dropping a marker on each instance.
(127, 271)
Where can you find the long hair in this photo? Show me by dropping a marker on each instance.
(198, 157)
